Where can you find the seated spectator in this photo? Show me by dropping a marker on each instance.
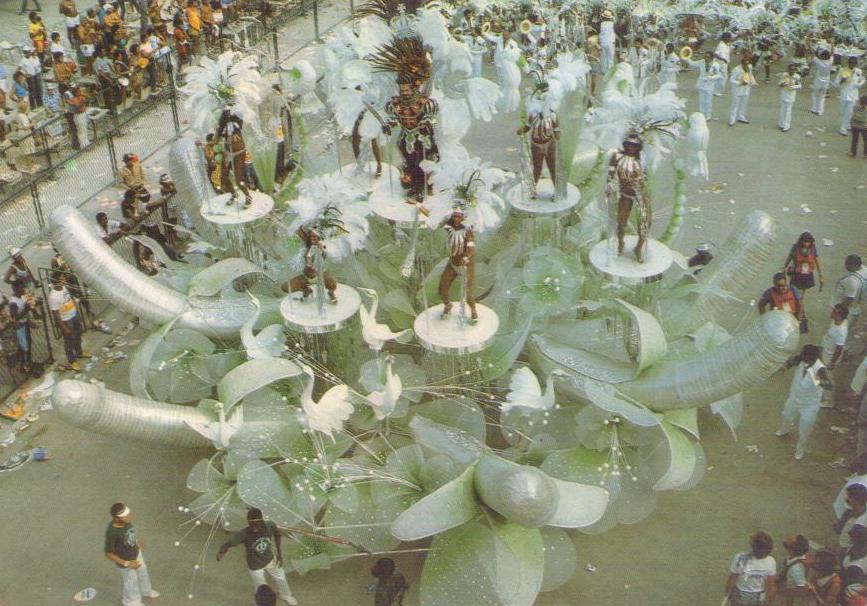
(824, 582)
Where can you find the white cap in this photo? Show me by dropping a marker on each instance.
(14, 252)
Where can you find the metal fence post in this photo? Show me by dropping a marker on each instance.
(37, 205)
(173, 100)
(316, 19)
(351, 9)
(276, 46)
(112, 157)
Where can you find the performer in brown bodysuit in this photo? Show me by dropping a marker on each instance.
(234, 151)
(314, 257)
(462, 253)
(627, 171)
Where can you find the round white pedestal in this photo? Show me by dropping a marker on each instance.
(545, 202)
(388, 201)
(222, 211)
(625, 268)
(367, 174)
(304, 316)
(450, 335)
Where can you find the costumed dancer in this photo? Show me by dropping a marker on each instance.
(544, 134)
(462, 262)
(849, 80)
(478, 49)
(742, 81)
(789, 87)
(823, 64)
(639, 58)
(709, 74)
(234, 152)
(314, 263)
(412, 110)
(367, 130)
(607, 40)
(626, 183)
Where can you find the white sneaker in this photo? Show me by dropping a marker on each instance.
(781, 432)
(799, 455)
(153, 594)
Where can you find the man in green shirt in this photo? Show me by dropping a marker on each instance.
(260, 539)
(122, 548)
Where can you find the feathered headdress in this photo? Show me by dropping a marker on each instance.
(405, 57)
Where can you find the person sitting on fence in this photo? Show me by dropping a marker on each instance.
(19, 272)
(76, 110)
(109, 229)
(147, 263)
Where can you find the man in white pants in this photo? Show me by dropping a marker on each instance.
(607, 40)
(805, 396)
(789, 87)
(849, 80)
(742, 80)
(122, 548)
(260, 539)
(823, 64)
(708, 75)
(722, 57)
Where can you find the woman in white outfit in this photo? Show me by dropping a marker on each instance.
(670, 66)
(849, 80)
(823, 65)
(805, 396)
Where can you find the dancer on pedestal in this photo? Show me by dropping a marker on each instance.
(544, 133)
(314, 264)
(626, 177)
(235, 150)
(462, 262)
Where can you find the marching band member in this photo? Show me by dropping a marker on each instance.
(742, 80)
(789, 87)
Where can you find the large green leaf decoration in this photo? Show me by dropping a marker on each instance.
(602, 395)
(447, 507)
(204, 477)
(550, 282)
(399, 308)
(498, 565)
(684, 418)
(211, 280)
(366, 527)
(253, 375)
(681, 459)
(498, 357)
(561, 558)
(579, 505)
(731, 409)
(260, 485)
(463, 414)
(650, 343)
(140, 362)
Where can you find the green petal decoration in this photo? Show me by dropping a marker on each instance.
(140, 362)
(253, 375)
(684, 418)
(500, 355)
(575, 464)
(449, 506)
(731, 409)
(498, 566)
(650, 343)
(550, 282)
(561, 558)
(459, 445)
(602, 395)
(259, 485)
(681, 459)
(520, 564)
(204, 477)
(579, 505)
(211, 280)
(185, 339)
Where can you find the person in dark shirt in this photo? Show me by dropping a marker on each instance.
(260, 540)
(391, 586)
(122, 548)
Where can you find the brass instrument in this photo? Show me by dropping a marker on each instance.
(653, 43)
(486, 27)
(686, 53)
(845, 74)
(526, 26)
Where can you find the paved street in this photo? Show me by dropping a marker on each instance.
(51, 543)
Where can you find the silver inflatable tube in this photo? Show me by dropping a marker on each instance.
(131, 290)
(733, 269)
(742, 362)
(104, 411)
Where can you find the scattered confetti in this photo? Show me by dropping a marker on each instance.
(837, 429)
(834, 169)
(589, 567)
(731, 201)
(806, 210)
(823, 156)
(752, 448)
(785, 209)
